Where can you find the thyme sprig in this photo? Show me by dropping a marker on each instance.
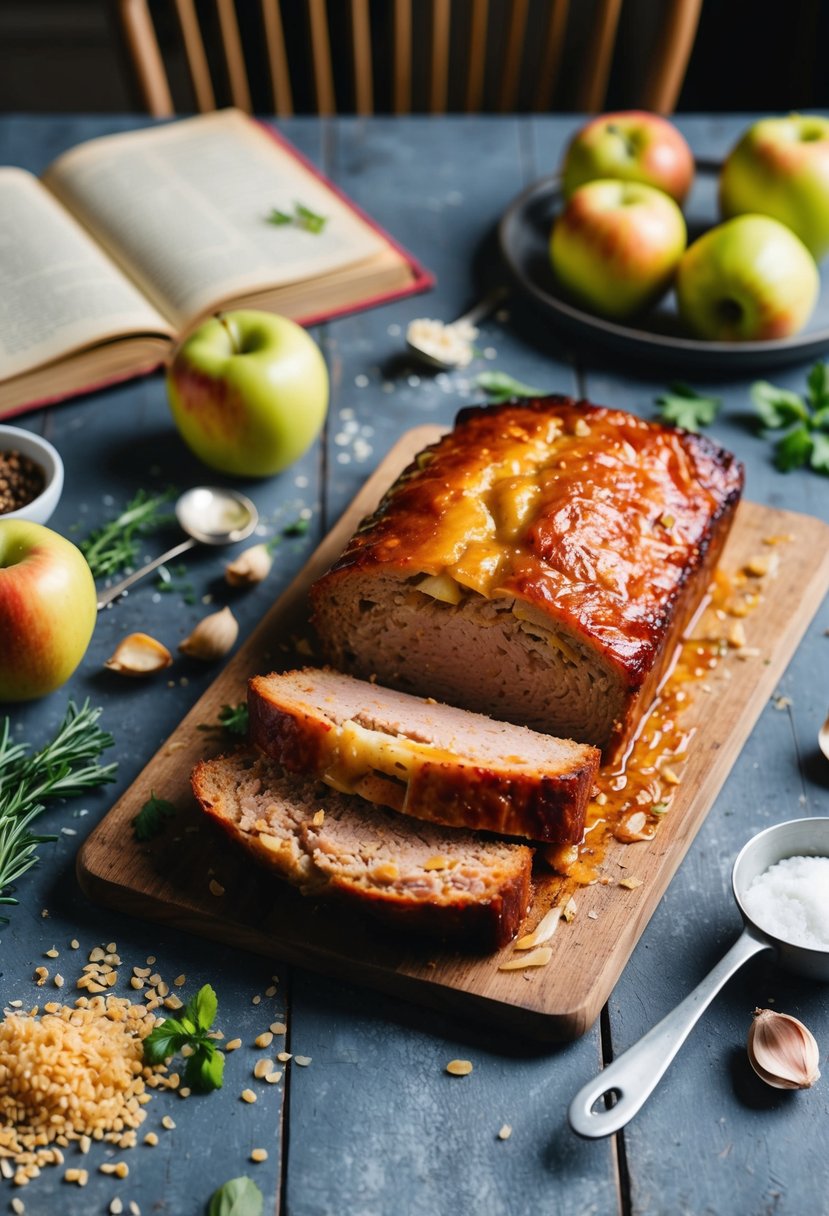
(112, 547)
(63, 768)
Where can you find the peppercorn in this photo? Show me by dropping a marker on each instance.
(21, 481)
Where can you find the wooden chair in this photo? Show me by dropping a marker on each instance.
(481, 54)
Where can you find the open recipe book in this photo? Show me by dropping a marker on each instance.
(129, 241)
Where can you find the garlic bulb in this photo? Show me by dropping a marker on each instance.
(782, 1051)
(251, 566)
(139, 655)
(213, 636)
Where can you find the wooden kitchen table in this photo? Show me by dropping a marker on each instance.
(374, 1126)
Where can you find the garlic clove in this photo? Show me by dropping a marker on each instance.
(251, 566)
(782, 1051)
(213, 636)
(634, 826)
(139, 655)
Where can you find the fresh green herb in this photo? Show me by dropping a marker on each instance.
(298, 528)
(204, 1069)
(500, 387)
(152, 818)
(303, 217)
(659, 808)
(63, 768)
(169, 582)
(804, 420)
(110, 548)
(239, 1197)
(684, 406)
(234, 718)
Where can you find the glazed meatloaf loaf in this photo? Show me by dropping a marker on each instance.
(423, 758)
(433, 880)
(539, 563)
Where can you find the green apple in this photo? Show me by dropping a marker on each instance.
(249, 392)
(747, 280)
(48, 608)
(780, 168)
(633, 146)
(616, 245)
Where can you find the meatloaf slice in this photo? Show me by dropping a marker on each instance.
(432, 880)
(422, 758)
(539, 563)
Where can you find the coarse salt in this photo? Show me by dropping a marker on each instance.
(790, 900)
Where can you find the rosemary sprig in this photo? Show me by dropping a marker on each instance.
(115, 545)
(62, 768)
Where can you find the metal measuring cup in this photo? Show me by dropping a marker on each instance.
(633, 1077)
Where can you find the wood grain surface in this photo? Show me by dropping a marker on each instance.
(169, 882)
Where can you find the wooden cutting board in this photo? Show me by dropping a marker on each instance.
(168, 879)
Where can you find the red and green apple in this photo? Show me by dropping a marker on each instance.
(747, 280)
(616, 245)
(633, 146)
(780, 168)
(249, 392)
(48, 608)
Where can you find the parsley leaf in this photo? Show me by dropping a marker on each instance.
(684, 406)
(303, 217)
(777, 407)
(239, 1197)
(308, 219)
(819, 458)
(794, 449)
(152, 818)
(500, 387)
(805, 420)
(234, 718)
(205, 1064)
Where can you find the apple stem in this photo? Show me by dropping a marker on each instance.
(223, 321)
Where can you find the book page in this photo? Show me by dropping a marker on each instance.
(58, 290)
(184, 208)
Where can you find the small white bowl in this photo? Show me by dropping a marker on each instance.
(39, 510)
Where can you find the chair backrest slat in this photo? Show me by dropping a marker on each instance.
(280, 73)
(196, 56)
(321, 57)
(143, 48)
(516, 37)
(593, 89)
(361, 57)
(476, 68)
(402, 99)
(551, 56)
(469, 54)
(441, 32)
(670, 57)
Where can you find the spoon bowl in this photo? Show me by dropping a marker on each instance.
(632, 1078)
(215, 516)
(433, 355)
(210, 515)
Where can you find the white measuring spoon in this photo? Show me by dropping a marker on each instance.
(209, 515)
(633, 1077)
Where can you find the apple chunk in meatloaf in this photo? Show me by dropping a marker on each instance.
(539, 563)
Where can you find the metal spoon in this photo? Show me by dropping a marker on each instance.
(823, 738)
(633, 1077)
(482, 309)
(210, 516)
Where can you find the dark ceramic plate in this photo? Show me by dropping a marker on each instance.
(656, 336)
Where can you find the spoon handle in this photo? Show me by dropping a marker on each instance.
(634, 1076)
(112, 593)
(485, 306)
